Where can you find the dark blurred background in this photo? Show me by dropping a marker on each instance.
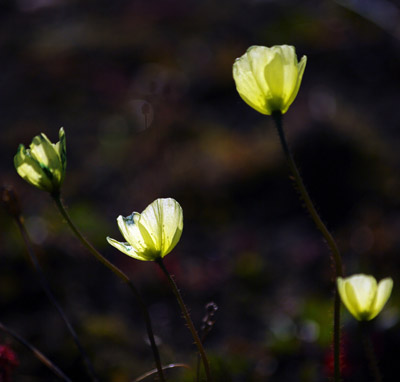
(145, 93)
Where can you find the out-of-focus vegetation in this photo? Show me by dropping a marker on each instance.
(144, 91)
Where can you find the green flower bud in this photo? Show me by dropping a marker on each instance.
(152, 234)
(268, 79)
(362, 296)
(44, 164)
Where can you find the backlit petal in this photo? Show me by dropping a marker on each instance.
(382, 295)
(125, 248)
(30, 170)
(268, 79)
(153, 233)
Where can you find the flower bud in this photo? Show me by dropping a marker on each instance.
(152, 234)
(362, 296)
(44, 163)
(268, 79)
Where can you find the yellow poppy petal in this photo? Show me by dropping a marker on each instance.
(385, 287)
(30, 170)
(362, 296)
(247, 86)
(153, 233)
(125, 248)
(44, 163)
(268, 79)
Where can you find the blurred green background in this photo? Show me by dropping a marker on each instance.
(248, 245)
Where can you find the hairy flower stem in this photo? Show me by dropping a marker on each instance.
(369, 351)
(277, 117)
(39, 355)
(50, 296)
(122, 276)
(198, 361)
(189, 321)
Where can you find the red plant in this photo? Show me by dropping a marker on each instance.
(8, 361)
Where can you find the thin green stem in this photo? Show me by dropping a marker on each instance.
(38, 354)
(277, 116)
(122, 276)
(50, 296)
(166, 367)
(369, 351)
(189, 321)
(306, 197)
(202, 338)
(12, 205)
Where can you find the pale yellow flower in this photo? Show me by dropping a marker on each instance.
(44, 163)
(152, 234)
(268, 79)
(362, 296)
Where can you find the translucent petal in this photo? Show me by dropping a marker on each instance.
(153, 233)
(45, 152)
(247, 86)
(162, 221)
(268, 79)
(351, 301)
(300, 72)
(151, 225)
(362, 296)
(288, 54)
(341, 289)
(365, 289)
(259, 57)
(172, 223)
(382, 295)
(125, 248)
(130, 231)
(290, 70)
(41, 165)
(274, 76)
(30, 170)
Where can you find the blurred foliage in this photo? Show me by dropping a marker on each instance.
(145, 94)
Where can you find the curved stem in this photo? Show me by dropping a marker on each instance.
(369, 351)
(122, 276)
(154, 371)
(50, 296)
(277, 116)
(186, 315)
(39, 355)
